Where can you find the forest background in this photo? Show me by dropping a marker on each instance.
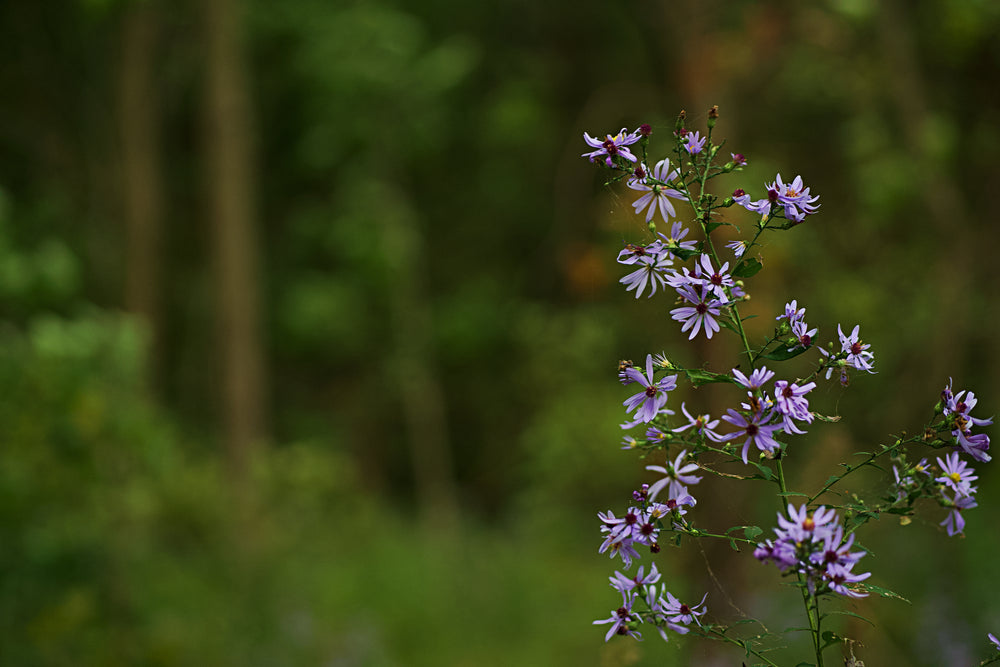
(310, 316)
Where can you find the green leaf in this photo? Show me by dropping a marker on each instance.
(783, 353)
(884, 592)
(747, 268)
(751, 532)
(830, 638)
(700, 377)
(789, 494)
(764, 470)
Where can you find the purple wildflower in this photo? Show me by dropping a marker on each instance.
(804, 334)
(839, 575)
(792, 312)
(761, 207)
(791, 402)
(654, 395)
(756, 430)
(613, 146)
(739, 160)
(651, 272)
(717, 281)
(957, 408)
(954, 523)
(702, 424)
(657, 195)
(738, 248)
(758, 378)
(956, 474)
(702, 311)
(992, 638)
(794, 197)
(694, 143)
(625, 585)
(633, 253)
(677, 476)
(622, 619)
(682, 614)
(677, 232)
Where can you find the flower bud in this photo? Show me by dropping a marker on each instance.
(679, 125)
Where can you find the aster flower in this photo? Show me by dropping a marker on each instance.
(792, 312)
(758, 378)
(694, 143)
(682, 614)
(677, 476)
(702, 424)
(956, 474)
(792, 404)
(717, 281)
(838, 576)
(633, 253)
(651, 272)
(625, 585)
(954, 523)
(654, 434)
(622, 620)
(958, 408)
(739, 160)
(649, 401)
(674, 241)
(832, 552)
(857, 352)
(657, 197)
(801, 526)
(793, 197)
(803, 333)
(738, 248)
(992, 638)
(619, 547)
(756, 429)
(612, 146)
(701, 312)
(761, 207)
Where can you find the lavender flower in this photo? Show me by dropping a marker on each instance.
(839, 575)
(626, 585)
(957, 408)
(857, 352)
(992, 638)
(702, 424)
(803, 333)
(738, 248)
(657, 197)
(756, 430)
(622, 620)
(792, 312)
(694, 143)
(739, 160)
(612, 147)
(654, 396)
(677, 476)
(717, 281)
(758, 378)
(956, 474)
(702, 311)
(761, 207)
(794, 197)
(673, 242)
(954, 523)
(651, 272)
(792, 404)
(633, 253)
(681, 614)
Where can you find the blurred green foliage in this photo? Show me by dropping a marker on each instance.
(423, 205)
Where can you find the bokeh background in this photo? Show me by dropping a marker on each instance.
(309, 318)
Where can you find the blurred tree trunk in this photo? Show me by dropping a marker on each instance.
(139, 118)
(231, 210)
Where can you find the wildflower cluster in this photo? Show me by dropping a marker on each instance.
(813, 546)
(814, 543)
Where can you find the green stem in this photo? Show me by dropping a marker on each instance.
(742, 644)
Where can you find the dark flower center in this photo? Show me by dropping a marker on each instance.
(701, 308)
(856, 348)
(631, 518)
(651, 391)
(752, 430)
(647, 529)
(806, 340)
(788, 392)
(738, 193)
(961, 407)
(685, 609)
(610, 147)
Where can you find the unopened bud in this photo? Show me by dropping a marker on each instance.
(652, 227)
(645, 129)
(679, 125)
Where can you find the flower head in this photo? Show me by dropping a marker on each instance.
(647, 403)
(694, 143)
(657, 196)
(701, 312)
(612, 147)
